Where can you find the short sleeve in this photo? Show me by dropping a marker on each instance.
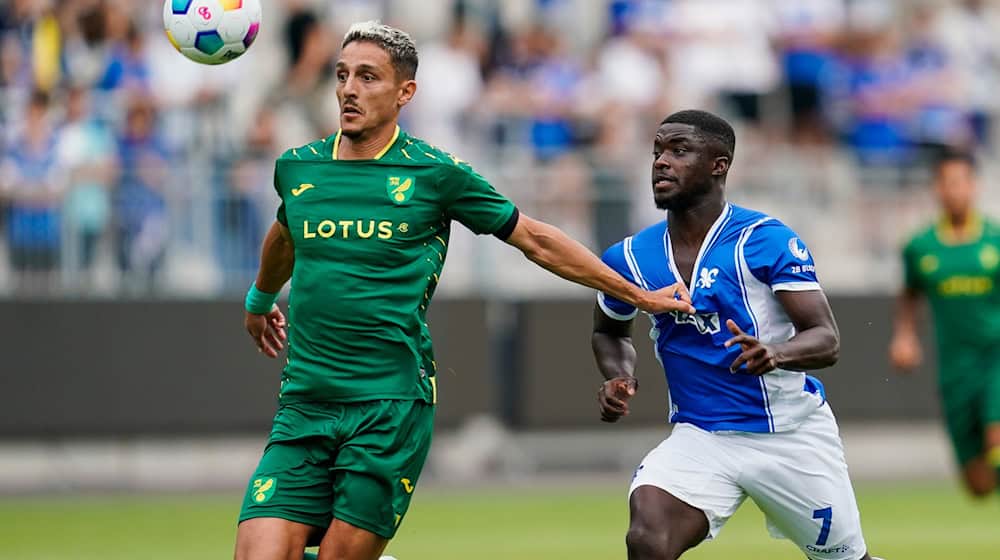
(474, 202)
(281, 217)
(777, 257)
(614, 257)
(912, 278)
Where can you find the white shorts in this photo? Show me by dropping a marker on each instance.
(797, 478)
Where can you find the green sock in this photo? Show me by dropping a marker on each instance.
(310, 556)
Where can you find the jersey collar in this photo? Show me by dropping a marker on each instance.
(382, 152)
(947, 234)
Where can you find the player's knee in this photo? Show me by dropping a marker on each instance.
(649, 543)
(268, 539)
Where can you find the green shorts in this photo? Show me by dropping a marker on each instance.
(356, 462)
(969, 383)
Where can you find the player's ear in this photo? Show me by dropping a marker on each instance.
(720, 166)
(406, 92)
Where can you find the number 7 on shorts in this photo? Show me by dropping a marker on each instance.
(826, 514)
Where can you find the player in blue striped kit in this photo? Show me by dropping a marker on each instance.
(747, 420)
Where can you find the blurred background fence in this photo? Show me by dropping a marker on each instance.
(130, 171)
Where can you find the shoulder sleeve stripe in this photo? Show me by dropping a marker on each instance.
(633, 264)
(796, 287)
(612, 313)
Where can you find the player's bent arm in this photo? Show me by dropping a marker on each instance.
(816, 343)
(907, 311)
(615, 355)
(277, 258)
(553, 250)
(612, 344)
(267, 330)
(905, 352)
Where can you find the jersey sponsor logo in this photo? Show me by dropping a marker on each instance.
(263, 489)
(966, 286)
(707, 277)
(798, 250)
(989, 257)
(302, 188)
(706, 323)
(400, 189)
(407, 485)
(350, 229)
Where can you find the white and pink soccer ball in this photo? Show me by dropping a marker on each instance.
(211, 31)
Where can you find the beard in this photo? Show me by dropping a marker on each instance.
(680, 201)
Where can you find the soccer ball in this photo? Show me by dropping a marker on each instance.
(211, 31)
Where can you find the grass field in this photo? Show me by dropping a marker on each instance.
(901, 523)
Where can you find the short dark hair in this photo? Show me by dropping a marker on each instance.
(949, 154)
(396, 42)
(713, 127)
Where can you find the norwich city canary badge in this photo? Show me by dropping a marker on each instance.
(263, 489)
(400, 189)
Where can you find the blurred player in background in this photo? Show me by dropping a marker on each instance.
(362, 233)
(954, 263)
(747, 420)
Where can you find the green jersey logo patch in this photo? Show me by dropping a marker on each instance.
(989, 257)
(263, 489)
(400, 189)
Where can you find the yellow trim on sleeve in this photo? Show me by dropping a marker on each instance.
(434, 389)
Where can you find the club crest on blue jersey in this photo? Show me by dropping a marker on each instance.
(400, 189)
(707, 277)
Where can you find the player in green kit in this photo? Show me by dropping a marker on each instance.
(955, 264)
(362, 233)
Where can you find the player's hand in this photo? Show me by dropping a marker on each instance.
(758, 357)
(267, 331)
(614, 395)
(672, 298)
(905, 352)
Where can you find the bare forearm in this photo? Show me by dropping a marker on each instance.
(814, 348)
(277, 258)
(560, 254)
(907, 310)
(615, 356)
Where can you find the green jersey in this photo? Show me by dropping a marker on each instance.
(370, 239)
(960, 279)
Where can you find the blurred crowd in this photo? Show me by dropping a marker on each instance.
(126, 169)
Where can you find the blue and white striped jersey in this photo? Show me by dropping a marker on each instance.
(746, 257)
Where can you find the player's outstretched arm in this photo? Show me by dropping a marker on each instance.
(277, 258)
(553, 250)
(816, 343)
(905, 352)
(615, 356)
